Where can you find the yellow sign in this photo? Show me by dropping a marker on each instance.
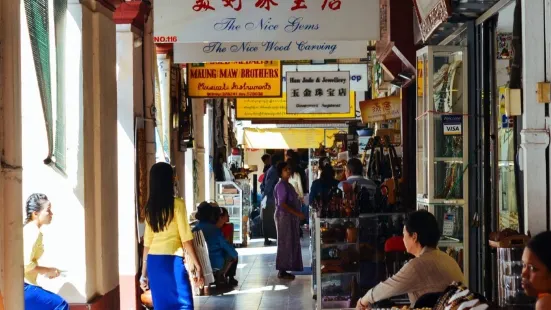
(287, 138)
(420, 78)
(381, 109)
(235, 79)
(276, 108)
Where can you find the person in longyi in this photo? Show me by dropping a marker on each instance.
(167, 235)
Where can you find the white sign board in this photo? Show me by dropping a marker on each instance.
(267, 50)
(359, 76)
(318, 92)
(197, 21)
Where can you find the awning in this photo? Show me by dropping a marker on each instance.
(287, 138)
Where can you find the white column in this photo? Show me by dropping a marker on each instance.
(198, 132)
(100, 149)
(164, 63)
(11, 239)
(534, 135)
(129, 96)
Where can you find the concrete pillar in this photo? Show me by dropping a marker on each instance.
(129, 102)
(534, 135)
(164, 64)
(11, 239)
(200, 155)
(100, 161)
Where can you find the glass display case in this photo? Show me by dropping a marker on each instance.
(442, 143)
(230, 196)
(336, 262)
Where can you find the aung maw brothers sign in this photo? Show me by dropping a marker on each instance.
(194, 21)
(235, 79)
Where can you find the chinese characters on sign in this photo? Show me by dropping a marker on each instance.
(276, 108)
(205, 5)
(318, 92)
(381, 109)
(235, 79)
(266, 20)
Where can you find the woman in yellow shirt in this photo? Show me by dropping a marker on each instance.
(39, 212)
(167, 236)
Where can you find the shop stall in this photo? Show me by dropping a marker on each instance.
(354, 247)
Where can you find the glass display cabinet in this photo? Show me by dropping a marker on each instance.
(442, 143)
(336, 262)
(230, 196)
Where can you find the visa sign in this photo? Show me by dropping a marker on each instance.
(452, 125)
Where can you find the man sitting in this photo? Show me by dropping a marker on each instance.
(355, 174)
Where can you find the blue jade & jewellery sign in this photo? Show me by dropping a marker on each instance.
(452, 124)
(281, 21)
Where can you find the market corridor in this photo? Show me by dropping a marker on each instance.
(259, 288)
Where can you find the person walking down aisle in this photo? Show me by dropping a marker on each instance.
(39, 212)
(287, 218)
(536, 270)
(268, 202)
(167, 234)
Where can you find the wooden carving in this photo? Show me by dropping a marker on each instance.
(431, 14)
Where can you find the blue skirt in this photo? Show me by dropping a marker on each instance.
(169, 282)
(37, 298)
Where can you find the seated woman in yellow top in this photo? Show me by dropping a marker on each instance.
(167, 235)
(39, 212)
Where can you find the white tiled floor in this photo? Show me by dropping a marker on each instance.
(259, 288)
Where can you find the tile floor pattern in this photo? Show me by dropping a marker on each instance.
(259, 288)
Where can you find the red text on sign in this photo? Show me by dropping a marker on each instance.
(231, 3)
(169, 39)
(333, 4)
(299, 5)
(265, 4)
(202, 5)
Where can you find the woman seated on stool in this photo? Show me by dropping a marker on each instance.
(222, 254)
(536, 270)
(431, 271)
(227, 231)
(39, 212)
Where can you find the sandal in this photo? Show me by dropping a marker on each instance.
(285, 276)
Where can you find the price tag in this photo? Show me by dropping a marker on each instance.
(449, 221)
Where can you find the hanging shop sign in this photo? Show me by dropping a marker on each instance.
(326, 92)
(193, 21)
(431, 14)
(267, 50)
(359, 78)
(235, 79)
(381, 109)
(452, 125)
(276, 109)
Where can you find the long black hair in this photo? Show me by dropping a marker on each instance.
(35, 203)
(327, 173)
(159, 210)
(539, 245)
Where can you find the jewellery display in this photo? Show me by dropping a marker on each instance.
(443, 168)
